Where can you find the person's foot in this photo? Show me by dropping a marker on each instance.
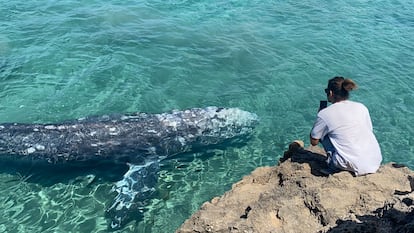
(328, 171)
(294, 147)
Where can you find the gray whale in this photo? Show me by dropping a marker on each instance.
(141, 140)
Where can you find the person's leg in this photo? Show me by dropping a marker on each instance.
(334, 161)
(327, 144)
(333, 165)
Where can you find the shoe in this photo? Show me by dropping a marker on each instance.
(328, 157)
(327, 171)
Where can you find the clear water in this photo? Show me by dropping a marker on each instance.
(66, 59)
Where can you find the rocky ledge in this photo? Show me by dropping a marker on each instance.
(295, 196)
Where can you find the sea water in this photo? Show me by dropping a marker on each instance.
(66, 59)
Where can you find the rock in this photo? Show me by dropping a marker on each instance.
(295, 196)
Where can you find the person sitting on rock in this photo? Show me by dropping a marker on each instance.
(344, 128)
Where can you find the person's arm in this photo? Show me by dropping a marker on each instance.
(319, 130)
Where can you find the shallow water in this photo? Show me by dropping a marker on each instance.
(67, 59)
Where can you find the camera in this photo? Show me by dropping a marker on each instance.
(323, 104)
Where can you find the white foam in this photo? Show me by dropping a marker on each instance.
(50, 127)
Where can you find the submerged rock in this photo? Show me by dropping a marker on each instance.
(295, 196)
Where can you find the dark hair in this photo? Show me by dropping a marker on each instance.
(341, 87)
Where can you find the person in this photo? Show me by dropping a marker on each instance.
(344, 128)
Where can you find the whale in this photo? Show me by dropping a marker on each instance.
(140, 140)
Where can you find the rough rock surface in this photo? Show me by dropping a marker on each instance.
(295, 196)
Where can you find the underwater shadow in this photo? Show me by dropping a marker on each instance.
(49, 174)
(202, 153)
(107, 171)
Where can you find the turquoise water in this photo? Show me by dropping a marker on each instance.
(67, 59)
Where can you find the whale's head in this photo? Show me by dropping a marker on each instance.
(184, 131)
(215, 125)
(227, 123)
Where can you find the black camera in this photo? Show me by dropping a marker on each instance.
(323, 104)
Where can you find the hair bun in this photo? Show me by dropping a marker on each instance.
(349, 85)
